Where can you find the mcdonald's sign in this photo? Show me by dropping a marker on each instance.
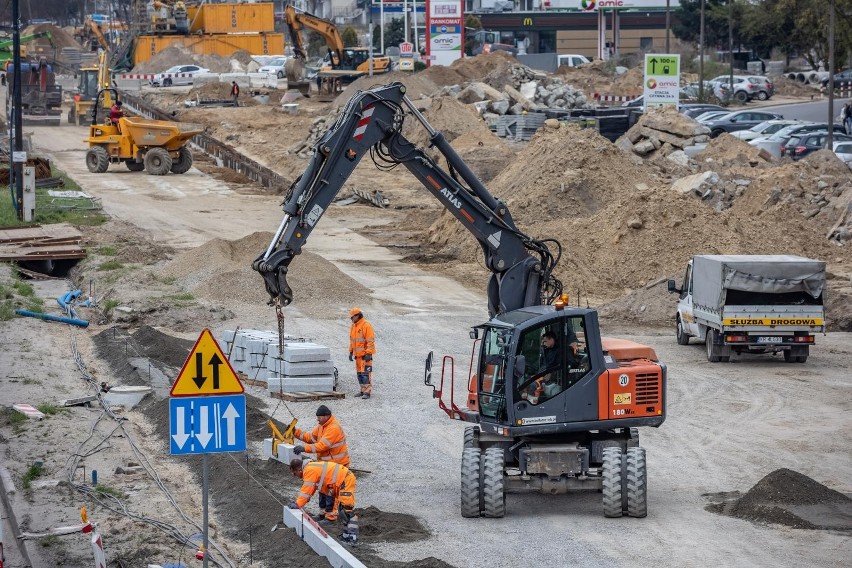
(528, 22)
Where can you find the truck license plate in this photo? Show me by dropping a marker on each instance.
(770, 339)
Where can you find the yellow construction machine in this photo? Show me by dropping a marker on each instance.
(277, 437)
(342, 66)
(157, 146)
(90, 82)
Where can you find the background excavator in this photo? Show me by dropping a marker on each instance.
(344, 64)
(6, 53)
(90, 81)
(541, 422)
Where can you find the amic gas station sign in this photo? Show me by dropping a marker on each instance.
(444, 31)
(597, 5)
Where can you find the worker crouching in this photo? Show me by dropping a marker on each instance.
(328, 442)
(335, 480)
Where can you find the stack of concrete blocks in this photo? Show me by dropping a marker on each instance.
(249, 349)
(301, 367)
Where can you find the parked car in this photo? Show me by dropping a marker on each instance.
(843, 150)
(710, 115)
(571, 60)
(765, 87)
(800, 145)
(763, 129)
(177, 75)
(842, 77)
(695, 109)
(274, 67)
(720, 91)
(773, 143)
(738, 120)
(744, 89)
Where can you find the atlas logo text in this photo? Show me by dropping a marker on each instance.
(452, 199)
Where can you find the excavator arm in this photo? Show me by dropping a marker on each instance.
(297, 21)
(371, 123)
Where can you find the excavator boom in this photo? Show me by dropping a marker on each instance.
(371, 123)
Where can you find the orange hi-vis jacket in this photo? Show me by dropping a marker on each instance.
(330, 478)
(327, 441)
(362, 339)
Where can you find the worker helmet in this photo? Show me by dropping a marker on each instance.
(355, 312)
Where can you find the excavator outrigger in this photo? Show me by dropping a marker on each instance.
(344, 64)
(544, 419)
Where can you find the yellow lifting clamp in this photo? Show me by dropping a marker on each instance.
(277, 437)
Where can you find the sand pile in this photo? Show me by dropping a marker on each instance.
(725, 149)
(59, 38)
(597, 77)
(418, 85)
(181, 55)
(789, 498)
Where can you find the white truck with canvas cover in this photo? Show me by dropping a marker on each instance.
(751, 304)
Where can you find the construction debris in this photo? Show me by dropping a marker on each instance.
(661, 132)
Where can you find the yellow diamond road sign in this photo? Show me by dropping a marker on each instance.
(206, 371)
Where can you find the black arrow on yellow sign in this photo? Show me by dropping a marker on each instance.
(194, 381)
(199, 379)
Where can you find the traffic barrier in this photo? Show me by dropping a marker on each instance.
(613, 98)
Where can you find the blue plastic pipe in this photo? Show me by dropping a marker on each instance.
(48, 317)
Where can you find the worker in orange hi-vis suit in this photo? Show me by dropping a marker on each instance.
(329, 477)
(362, 347)
(328, 442)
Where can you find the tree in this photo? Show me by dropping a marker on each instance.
(471, 25)
(394, 35)
(349, 37)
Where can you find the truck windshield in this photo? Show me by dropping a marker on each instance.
(492, 383)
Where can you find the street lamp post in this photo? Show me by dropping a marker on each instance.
(701, 56)
(830, 138)
(17, 165)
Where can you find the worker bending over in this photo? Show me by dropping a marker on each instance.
(328, 442)
(334, 479)
(362, 347)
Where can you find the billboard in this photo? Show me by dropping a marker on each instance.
(595, 5)
(444, 31)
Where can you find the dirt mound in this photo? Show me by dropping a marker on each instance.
(726, 148)
(58, 37)
(792, 499)
(598, 77)
(785, 87)
(451, 117)
(418, 85)
(181, 55)
(478, 68)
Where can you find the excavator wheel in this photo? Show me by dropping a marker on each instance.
(493, 486)
(636, 483)
(134, 166)
(97, 159)
(470, 482)
(184, 161)
(682, 337)
(471, 437)
(158, 162)
(612, 482)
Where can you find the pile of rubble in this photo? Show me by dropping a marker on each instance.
(663, 132)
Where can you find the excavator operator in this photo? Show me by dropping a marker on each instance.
(362, 347)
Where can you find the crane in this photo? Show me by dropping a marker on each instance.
(551, 419)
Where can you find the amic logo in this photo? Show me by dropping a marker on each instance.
(652, 84)
(588, 4)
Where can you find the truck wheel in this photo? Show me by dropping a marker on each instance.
(493, 486)
(682, 337)
(97, 159)
(134, 166)
(637, 483)
(470, 485)
(713, 350)
(158, 162)
(471, 437)
(184, 161)
(796, 355)
(612, 483)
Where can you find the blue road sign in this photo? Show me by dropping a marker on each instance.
(207, 424)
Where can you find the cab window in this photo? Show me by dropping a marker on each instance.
(492, 383)
(550, 359)
(686, 288)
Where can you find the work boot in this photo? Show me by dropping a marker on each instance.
(319, 517)
(359, 395)
(366, 396)
(326, 522)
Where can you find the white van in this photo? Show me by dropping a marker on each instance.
(571, 60)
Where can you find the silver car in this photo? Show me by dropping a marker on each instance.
(765, 88)
(763, 129)
(843, 150)
(744, 89)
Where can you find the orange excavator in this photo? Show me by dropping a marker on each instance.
(341, 66)
(553, 407)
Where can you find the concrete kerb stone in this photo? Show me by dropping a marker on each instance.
(315, 537)
(242, 79)
(129, 84)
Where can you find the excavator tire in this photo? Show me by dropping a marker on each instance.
(612, 483)
(470, 484)
(97, 159)
(682, 337)
(158, 162)
(637, 483)
(471, 437)
(184, 161)
(135, 166)
(493, 486)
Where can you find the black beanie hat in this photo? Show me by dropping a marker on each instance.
(323, 410)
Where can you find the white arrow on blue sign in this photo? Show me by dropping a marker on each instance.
(207, 424)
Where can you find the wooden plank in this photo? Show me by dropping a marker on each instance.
(254, 382)
(307, 396)
(39, 232)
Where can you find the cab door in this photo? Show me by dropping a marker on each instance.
(685, 308)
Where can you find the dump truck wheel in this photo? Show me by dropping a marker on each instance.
(682, 337)
(612, 482)
(158, 162)
(97, 159)
(637, 483)
(184, 161)
(493, 484)
(471, 437)
(134, 166)
(470, 484)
